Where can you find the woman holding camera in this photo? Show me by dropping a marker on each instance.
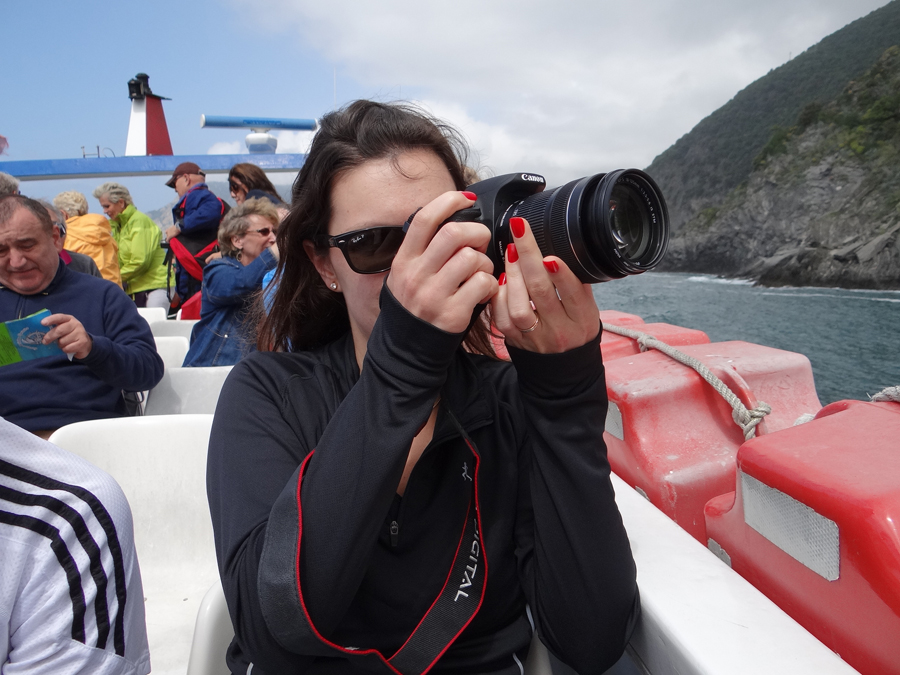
(385, 494)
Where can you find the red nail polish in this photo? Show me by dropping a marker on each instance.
(512, 255)
(502, 279)
(517, 225)
(551, 266)
(470, 195)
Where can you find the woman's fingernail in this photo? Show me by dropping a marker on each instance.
(512, 255)
(551, 266)
(502, 279)
(517, 225)
(470, 195)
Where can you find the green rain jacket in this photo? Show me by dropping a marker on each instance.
(141, 259)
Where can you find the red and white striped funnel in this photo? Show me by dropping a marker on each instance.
(148, 133)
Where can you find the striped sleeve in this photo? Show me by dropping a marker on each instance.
(70, 591)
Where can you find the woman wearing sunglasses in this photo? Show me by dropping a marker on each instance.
(248, 181)
(386, 495)
(247, 244)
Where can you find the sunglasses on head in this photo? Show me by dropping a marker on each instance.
(371, 250)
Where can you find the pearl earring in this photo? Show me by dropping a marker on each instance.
(333, 286)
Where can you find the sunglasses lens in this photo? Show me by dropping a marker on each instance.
(373, 250)
(265, 231)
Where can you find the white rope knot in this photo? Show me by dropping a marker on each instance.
(748, 419)
(745, 419)
(888, 394)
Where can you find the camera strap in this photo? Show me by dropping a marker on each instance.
(455, 606)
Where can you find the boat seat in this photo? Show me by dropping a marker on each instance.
(172, 349)
(187, 391)
(152, 314)
(811, 523)
(160, 463)
(167, 328)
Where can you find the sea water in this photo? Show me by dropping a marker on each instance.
(851, 337)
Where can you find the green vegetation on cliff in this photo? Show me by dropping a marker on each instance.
(718, 154)
(822, 203)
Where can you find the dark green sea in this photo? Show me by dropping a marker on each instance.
(851, 337)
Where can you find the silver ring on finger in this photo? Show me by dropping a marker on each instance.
(537, 320)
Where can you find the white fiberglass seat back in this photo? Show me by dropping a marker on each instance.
(160, 462)
(166, 328)
(187, 391)
(152, 314)
(172, 349)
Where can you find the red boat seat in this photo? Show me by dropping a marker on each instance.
(672, 436)
(814, 523)
(620, 318)
(615, 346)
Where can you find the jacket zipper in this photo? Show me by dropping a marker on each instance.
(395, 533)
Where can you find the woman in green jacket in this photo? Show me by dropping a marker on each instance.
(141, 258)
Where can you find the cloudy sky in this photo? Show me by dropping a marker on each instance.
(561, 87)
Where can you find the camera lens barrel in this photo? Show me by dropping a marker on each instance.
(604, 226)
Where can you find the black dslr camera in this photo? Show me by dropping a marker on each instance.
(605, 226)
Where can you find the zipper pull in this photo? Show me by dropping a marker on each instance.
(395, 533)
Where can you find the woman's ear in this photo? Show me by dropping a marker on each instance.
(237, 240)
(322, 264)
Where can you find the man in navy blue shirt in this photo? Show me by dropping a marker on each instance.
(197, 215)
(106, 347)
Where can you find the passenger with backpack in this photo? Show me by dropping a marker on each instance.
(193, 237)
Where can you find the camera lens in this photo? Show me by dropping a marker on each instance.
(628, 223)
(604, 226)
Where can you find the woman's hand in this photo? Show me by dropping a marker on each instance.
(541, 305)
(440, 275)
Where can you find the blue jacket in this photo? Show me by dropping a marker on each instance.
(198, 213)
(50, 392)
(220, 337)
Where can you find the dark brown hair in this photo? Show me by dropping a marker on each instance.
(304, 314)
(252, 178)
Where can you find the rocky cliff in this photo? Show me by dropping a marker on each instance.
(822, 203)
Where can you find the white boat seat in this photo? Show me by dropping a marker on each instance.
(152, 314)
(160, 462)
(172, 349)
(165, 328)
(187, 391)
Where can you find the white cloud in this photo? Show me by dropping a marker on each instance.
(564, 88)
(293, 141)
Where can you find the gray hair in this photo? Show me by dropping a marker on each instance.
(115, 192)
(236, 223)
(72, 202)
(55, 215)
(9, 185)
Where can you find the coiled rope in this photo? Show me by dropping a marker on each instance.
(887, 394)
(744, 418)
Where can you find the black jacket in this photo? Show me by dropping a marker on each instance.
(552, 534)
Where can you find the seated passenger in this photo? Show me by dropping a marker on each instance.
(70, 590)
(78, 262)
(382, 488)
(248, 181)
(89, 233)
(230, 283)
(107, 348)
